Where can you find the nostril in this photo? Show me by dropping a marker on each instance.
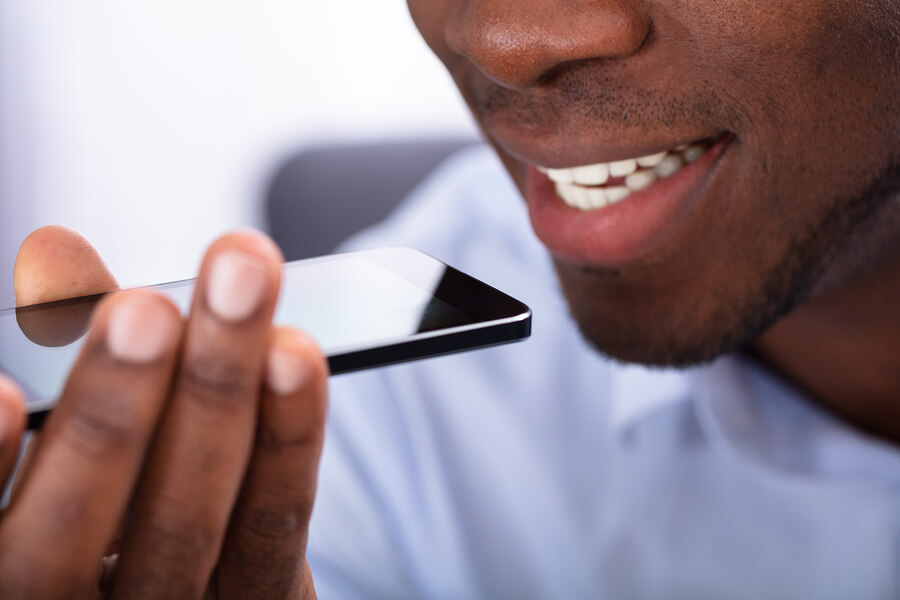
(518, 43)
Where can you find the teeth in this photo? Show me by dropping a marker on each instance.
(597, 197)
(693, 152)
(583, 187)
(641, 179)
(652, 160)
(569, 193)
(617, 193)
(582, 197)
(561, 175)
(669, 166)
(623, 167)
(591, 174)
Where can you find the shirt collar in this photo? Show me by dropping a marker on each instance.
(748, 413)
(764, 421)
(636, 392)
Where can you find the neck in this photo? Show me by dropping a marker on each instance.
(843, 349)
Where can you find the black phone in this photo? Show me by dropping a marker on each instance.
(365, 309)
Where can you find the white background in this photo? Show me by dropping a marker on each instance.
(152, 126)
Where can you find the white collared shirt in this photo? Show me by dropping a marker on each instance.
(543, 470)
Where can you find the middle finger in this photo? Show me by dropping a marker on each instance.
(194, 473)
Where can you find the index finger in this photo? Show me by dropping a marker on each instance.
(93, 446)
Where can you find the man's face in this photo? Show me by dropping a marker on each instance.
(789, 187)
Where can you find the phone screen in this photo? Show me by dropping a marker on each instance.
(365, 309)
(365, 302)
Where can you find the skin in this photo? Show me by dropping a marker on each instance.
(178, 463)
(790, 251)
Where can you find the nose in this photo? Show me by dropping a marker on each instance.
(518, 42)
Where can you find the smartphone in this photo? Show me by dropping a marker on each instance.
(365, 309)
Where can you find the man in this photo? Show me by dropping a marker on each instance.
(714, 182)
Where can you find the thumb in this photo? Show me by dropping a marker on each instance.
(56, 262)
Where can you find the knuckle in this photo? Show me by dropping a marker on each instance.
(272, 525)
(216, 383)
(272, 439)
(99, 431)
(180, 536)
(175, 543)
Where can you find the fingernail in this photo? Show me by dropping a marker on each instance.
(286, 372)
(236, 285)
(140, 332)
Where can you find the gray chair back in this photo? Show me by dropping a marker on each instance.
(321, 196)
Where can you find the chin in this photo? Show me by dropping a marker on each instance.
(664, 327)
(653, 347)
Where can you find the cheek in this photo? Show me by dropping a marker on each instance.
(813, 82)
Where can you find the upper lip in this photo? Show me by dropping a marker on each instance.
(563, 152)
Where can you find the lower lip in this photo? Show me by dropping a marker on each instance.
(626, 231)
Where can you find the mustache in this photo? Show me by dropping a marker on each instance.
(576, 98)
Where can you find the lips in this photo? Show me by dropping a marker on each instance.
(598, 220)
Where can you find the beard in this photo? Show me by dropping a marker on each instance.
(826, 255)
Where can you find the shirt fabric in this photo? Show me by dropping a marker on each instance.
(544, 470)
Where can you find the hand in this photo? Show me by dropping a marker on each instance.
(199, 441)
